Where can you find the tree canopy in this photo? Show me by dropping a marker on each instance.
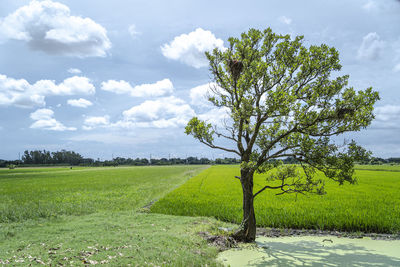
(284, 100)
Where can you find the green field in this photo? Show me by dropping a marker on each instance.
(385, 167)
(373, 205)
(59, 216)
(81, 216)
(48, 192)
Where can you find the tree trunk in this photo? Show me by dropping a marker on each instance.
(247, 229)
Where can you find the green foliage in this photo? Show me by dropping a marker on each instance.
(200, 130)
(371, 206)
(47, 157)
(285, 100)
(11, 166)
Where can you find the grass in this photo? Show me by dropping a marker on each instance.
(373, 205)
(49, 192)
(115, 239)
(58, 216)
(384, 167)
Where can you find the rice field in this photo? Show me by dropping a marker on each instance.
(372, 205)
(49, 192)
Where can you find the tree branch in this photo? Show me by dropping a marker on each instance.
(269, 187)
(225, 136)
(221, 148)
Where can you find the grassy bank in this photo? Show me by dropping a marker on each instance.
(112, 238)
(373, 205)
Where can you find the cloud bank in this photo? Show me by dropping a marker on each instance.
(371, 47)
(80, 103)
(160, 88)
(74, 71)
(44, 119)
(20, 93)
(190, 48)
(49, 27)
(160, 113)
(92, 122)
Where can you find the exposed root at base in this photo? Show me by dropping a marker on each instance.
(241, 236)
(221, 241)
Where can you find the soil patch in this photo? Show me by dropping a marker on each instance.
(276, 232)
(223, 242)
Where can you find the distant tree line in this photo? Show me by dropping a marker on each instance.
(47, 157)
(64, 157)
(170, 161)
(379, 161)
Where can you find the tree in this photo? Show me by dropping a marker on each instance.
(283, 101)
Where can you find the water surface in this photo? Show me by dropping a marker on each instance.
(315, 251)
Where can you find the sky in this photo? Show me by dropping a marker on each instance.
(122, 78)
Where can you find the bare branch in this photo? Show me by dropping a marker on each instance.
(221, 148)
(269, 187)
(225, 136)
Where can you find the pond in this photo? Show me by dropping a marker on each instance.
(314, 251)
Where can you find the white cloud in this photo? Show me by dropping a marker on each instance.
(74, 71)
(370, 5)
(381, 7)
(396, 68)
(160, 88)
(44, 119)
(199, 95)
(396, 58)
(285, 20)
(207, 111)
(133, 31)
(81, 103)
(49, 27)
(190, 48)
(20, 93)
(96, 121)
(371, 47)
(161, 113)
(42, 114)
(118, 87)
(70, 86)
(216, 116)
(387, 113)
(387, 117)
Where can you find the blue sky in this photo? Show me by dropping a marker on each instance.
(122, 78)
